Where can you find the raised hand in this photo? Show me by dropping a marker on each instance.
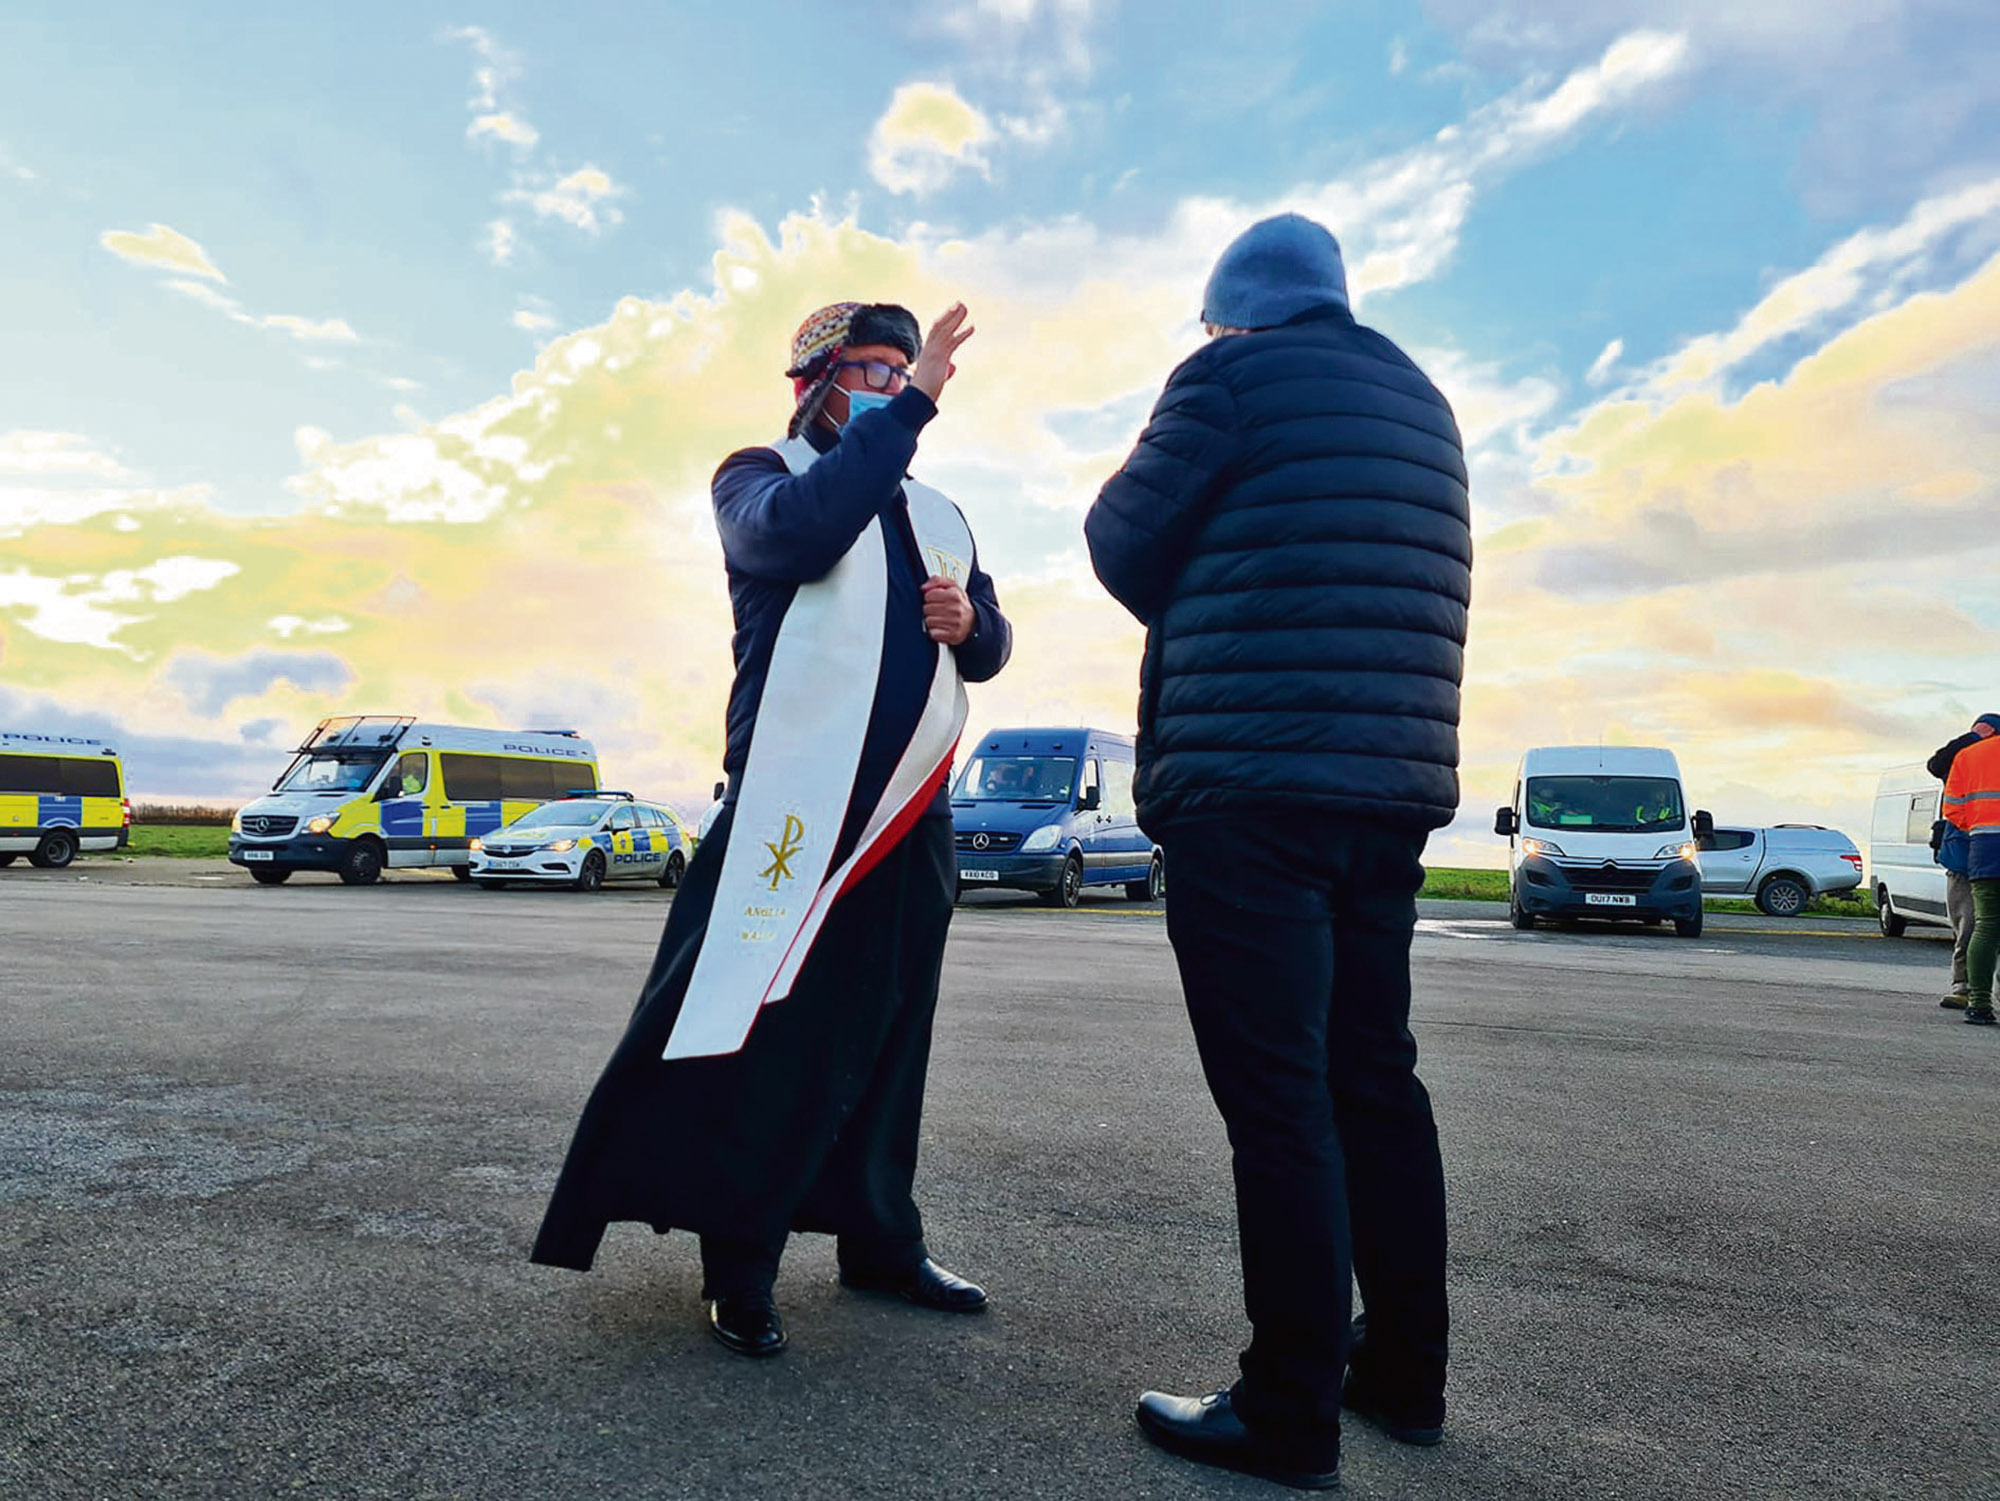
(934, 367)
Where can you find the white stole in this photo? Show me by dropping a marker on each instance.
(778, 882)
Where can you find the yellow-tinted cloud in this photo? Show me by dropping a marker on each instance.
(162, 248)
(584, 199)
(505, 127)
(927, 136)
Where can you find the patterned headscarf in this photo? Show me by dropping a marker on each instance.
(821, 339)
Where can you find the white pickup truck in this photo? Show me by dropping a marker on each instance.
(1781, 868)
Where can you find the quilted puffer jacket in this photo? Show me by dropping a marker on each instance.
(1293, 531)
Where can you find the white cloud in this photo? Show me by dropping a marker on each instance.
(305, 330)
(505, 127)
(1399, 56)
(1869, 268)
(288, 626)
(77, 610)
(502, 242)
(529, 321)
(25, 451)
(926, 137)
(582, 199)
(163, 249)
(1600, 368)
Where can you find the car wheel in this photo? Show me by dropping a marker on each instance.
(362, 864)
(55, 851)
(1153, 888)
(461, 872)
(1068, 889)
(1894, 924)
(1688, 927)
(269, 877)
(1519, 916)
(676, 868)
(6, 860)
(591, 876)
(1781, 896)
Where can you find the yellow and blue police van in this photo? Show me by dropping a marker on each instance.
(369, 793)
(583, 841)
(59, 795)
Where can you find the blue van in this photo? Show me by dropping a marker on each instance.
(1051, 811)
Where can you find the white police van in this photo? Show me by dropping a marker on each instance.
(582, 842)
(373, 792)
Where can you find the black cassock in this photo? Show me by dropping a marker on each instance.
(813, 1123)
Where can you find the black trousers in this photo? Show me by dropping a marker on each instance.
(887, 935)
(1292, 934)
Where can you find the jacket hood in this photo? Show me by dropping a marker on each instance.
(1275, 270)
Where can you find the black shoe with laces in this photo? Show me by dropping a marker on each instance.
(1207, 1431)
(747, 1324)
(1980, 1014)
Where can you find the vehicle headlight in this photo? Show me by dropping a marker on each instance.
(1539, 847)
(319, 825)
(560, 847)
(236, 822)
(1043, 838)
(475, 845)
(1676, 852)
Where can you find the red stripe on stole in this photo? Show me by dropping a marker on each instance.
(900, 825)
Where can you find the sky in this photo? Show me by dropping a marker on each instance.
(376, 359)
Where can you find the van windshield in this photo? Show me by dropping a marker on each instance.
(567, 815)
(1017, 779)
(1615, 805)
(336, 773)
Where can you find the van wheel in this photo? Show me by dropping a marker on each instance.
(1153, 888)
(676, 868)
(1519, 916)
(1069, 889)
(362, 864)
(591, 877)
(1688, 927)
(55, 851)
(1893, 923)
(1781, 896)
(461, 872)
(269, 877)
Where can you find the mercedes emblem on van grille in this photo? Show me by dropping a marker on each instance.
(980, 841)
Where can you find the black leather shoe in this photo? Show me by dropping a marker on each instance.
(928, 1286)
(1207, 1431)
(748, 1324)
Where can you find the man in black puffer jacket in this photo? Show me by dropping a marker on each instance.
(1292, 530)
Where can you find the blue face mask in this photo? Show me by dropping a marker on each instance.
(865, 401)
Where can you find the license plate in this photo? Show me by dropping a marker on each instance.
(979, 875)
(260, 854)
(1608, 899)
(503, 864)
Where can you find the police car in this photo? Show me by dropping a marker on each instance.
(582, 841)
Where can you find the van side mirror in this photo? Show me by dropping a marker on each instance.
(1091, 800)
(720, 788)
(1506, 821)
(1704, 827)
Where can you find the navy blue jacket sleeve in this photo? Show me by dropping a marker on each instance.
(1146, 516)
(982, 654)
(792, 528)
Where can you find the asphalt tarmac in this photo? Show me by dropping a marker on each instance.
(1724, 1214)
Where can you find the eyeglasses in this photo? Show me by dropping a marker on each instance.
(878, 376)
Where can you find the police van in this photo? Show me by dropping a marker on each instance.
(372, 792)
(60, 794)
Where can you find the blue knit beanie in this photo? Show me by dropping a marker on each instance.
(1991, 721)
(1274, 271)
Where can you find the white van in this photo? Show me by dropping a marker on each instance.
(1908, 883)
(1602, 831)
(373, 791)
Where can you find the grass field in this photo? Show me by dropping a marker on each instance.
(211, 842)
